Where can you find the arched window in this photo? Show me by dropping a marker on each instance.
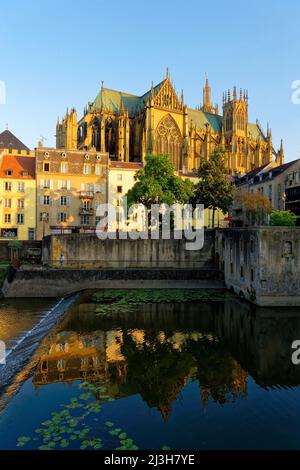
(168, 140)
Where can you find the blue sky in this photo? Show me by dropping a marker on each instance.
(55, 53)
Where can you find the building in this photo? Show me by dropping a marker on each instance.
(17, 197)
(292, 192)
(129, 127)
(70, 186)
(121, 178)
(280, 184)
(10, 144)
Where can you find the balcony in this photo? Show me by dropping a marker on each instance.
(86, 194)
(86, 211)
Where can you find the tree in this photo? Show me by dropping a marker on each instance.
(283, 218)
(214, 189)
(157, 183)
(255, 205)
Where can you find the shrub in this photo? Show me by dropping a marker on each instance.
(283, 218)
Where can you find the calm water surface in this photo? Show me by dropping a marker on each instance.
(186, 376)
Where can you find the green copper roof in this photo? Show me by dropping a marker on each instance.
(114, 100)
(254, 131)
(201, 119)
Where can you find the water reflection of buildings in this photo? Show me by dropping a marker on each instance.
(156, 365)
(94, 357)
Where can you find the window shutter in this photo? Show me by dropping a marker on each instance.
(68, 200)
(82, 186)
(59, 184)
(68, 185)
(41, 183)
(51, 184)
(41, 200)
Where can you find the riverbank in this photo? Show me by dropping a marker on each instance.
(47, 282)
(19, 354)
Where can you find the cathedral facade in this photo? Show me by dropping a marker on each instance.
(129, 127)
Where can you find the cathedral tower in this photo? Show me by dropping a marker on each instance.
(235, 128)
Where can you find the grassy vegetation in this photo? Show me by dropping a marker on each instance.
(140, 296)
(118, 301)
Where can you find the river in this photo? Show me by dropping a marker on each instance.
(205, 375)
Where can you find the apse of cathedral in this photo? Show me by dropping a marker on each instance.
(129, 127)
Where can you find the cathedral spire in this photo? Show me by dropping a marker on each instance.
(280, 155)
(234, 93)
(207, 104)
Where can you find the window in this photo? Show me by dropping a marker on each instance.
(7, 203)
(252, 274)
(31, 234)
(47, 167)
(9, 172)
(61, 364)
(24, 173)
(64, 168)
(20, 203)
(20, 219)
(85, 220)
(7, 186)
(86, 205)
(270, 193)
(86, 169)
(46, 200)
(62, 217)
(44, 217)
(242, 271)
(119, 177)
(241, 244)
(251, 245)
(119, 189)
(63, 201)
(231, 268)
(21, 187)
(97, 170)
(64, 184)
(7, 218)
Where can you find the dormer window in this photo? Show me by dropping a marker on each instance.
(9, 172)
(24, 173)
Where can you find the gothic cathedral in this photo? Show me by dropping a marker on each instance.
(129, 127)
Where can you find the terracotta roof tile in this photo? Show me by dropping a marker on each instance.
(126, 165)
(18, 164)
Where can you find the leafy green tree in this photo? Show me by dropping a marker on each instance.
(157, 183)
(214, 189)
(283, 218)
